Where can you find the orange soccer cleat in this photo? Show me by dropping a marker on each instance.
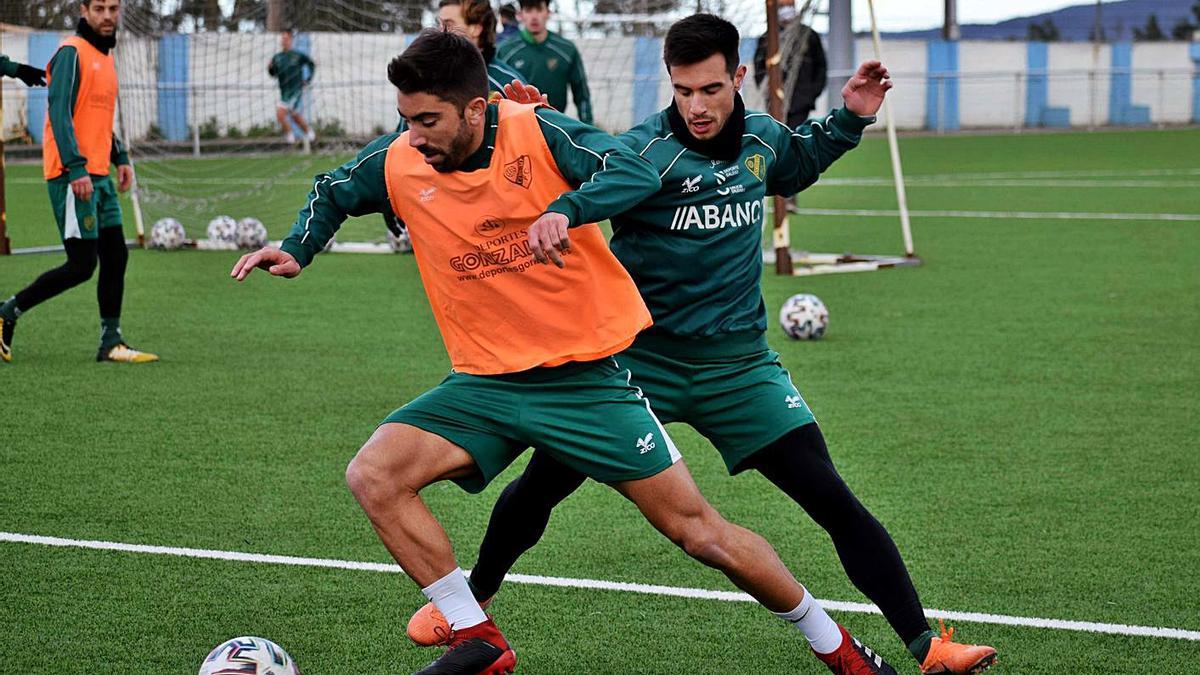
(947, 656)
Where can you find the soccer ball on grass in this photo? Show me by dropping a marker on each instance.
(250, 233)
(248, 656)
(222, 232)
(167, 234)
(804, 317)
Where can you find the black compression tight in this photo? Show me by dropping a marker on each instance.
(82, 258)
(798, 464)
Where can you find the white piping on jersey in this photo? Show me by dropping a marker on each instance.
(653, 141)
(765, 145)
(664, 173)
(557, 50)
(571, 140)
(317, 190)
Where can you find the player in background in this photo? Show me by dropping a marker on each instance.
(78, 149)
(294, 70)
(489, 190)
(548, 61)
(32, 77)
(510, 26)
(694, 251)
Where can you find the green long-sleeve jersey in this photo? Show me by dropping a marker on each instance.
(552, 66)
(293, 69)
(695, 248)
(605, 174)
(63, 94)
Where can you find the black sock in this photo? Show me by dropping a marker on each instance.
(519, 519)
(799, 464)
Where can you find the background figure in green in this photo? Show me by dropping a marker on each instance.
(32, 77)
(548, 60)
(294, 70)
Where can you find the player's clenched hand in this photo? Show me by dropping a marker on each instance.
(124, 177)
(277, 262)
(865, 89)
(519, 92)
(82, 187)
(548, 236)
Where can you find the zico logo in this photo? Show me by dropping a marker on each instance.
(713, 217)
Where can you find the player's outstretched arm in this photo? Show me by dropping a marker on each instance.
(32, 77)
(356, 188)
(806, 151)
(279, 263)
(608, 177)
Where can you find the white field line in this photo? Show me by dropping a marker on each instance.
(1006, 215)
(596, 584)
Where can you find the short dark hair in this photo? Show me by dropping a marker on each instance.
(698, 37)
(478, 13)
(508, 11)
(441, 63)
(534, 4)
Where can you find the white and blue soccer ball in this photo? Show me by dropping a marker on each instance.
(167, 234)
(222, 232)
(250, 233)
(248, 656)
(804, 317)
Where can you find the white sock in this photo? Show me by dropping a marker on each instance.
(822, 632)
(454, 600)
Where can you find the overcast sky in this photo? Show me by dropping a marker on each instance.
(894, 15)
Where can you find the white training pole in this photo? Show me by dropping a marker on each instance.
(133, 189)
(893, 145)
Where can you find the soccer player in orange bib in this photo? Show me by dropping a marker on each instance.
(78, 150)
(490, 193)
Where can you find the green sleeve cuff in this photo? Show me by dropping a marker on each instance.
(848, 121)
(567, 209)
(77, 172)
(297, 250)
(8, 68)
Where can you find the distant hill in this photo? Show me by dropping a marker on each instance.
(1075, 23)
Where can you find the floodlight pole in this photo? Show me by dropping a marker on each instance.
(782, 234)
(893, 146)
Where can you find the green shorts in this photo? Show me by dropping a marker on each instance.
(78, 219)
(741, 404)
(586, 415)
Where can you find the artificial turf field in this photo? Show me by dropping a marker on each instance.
(1021, 412)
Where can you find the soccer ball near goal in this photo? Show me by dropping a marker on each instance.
(251, 233)
(804, 317)
(250, 655)
(222, 231)
(167, 234)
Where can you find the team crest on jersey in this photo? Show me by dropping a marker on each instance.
(551, 63)
(490, 226)
(757, 165)
(519, 172)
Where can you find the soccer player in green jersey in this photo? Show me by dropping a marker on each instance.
(294, 70)
(548, 60)
(694, 251)
(32, 77)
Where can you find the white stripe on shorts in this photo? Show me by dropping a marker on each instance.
(71, 228)
(671, 449)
